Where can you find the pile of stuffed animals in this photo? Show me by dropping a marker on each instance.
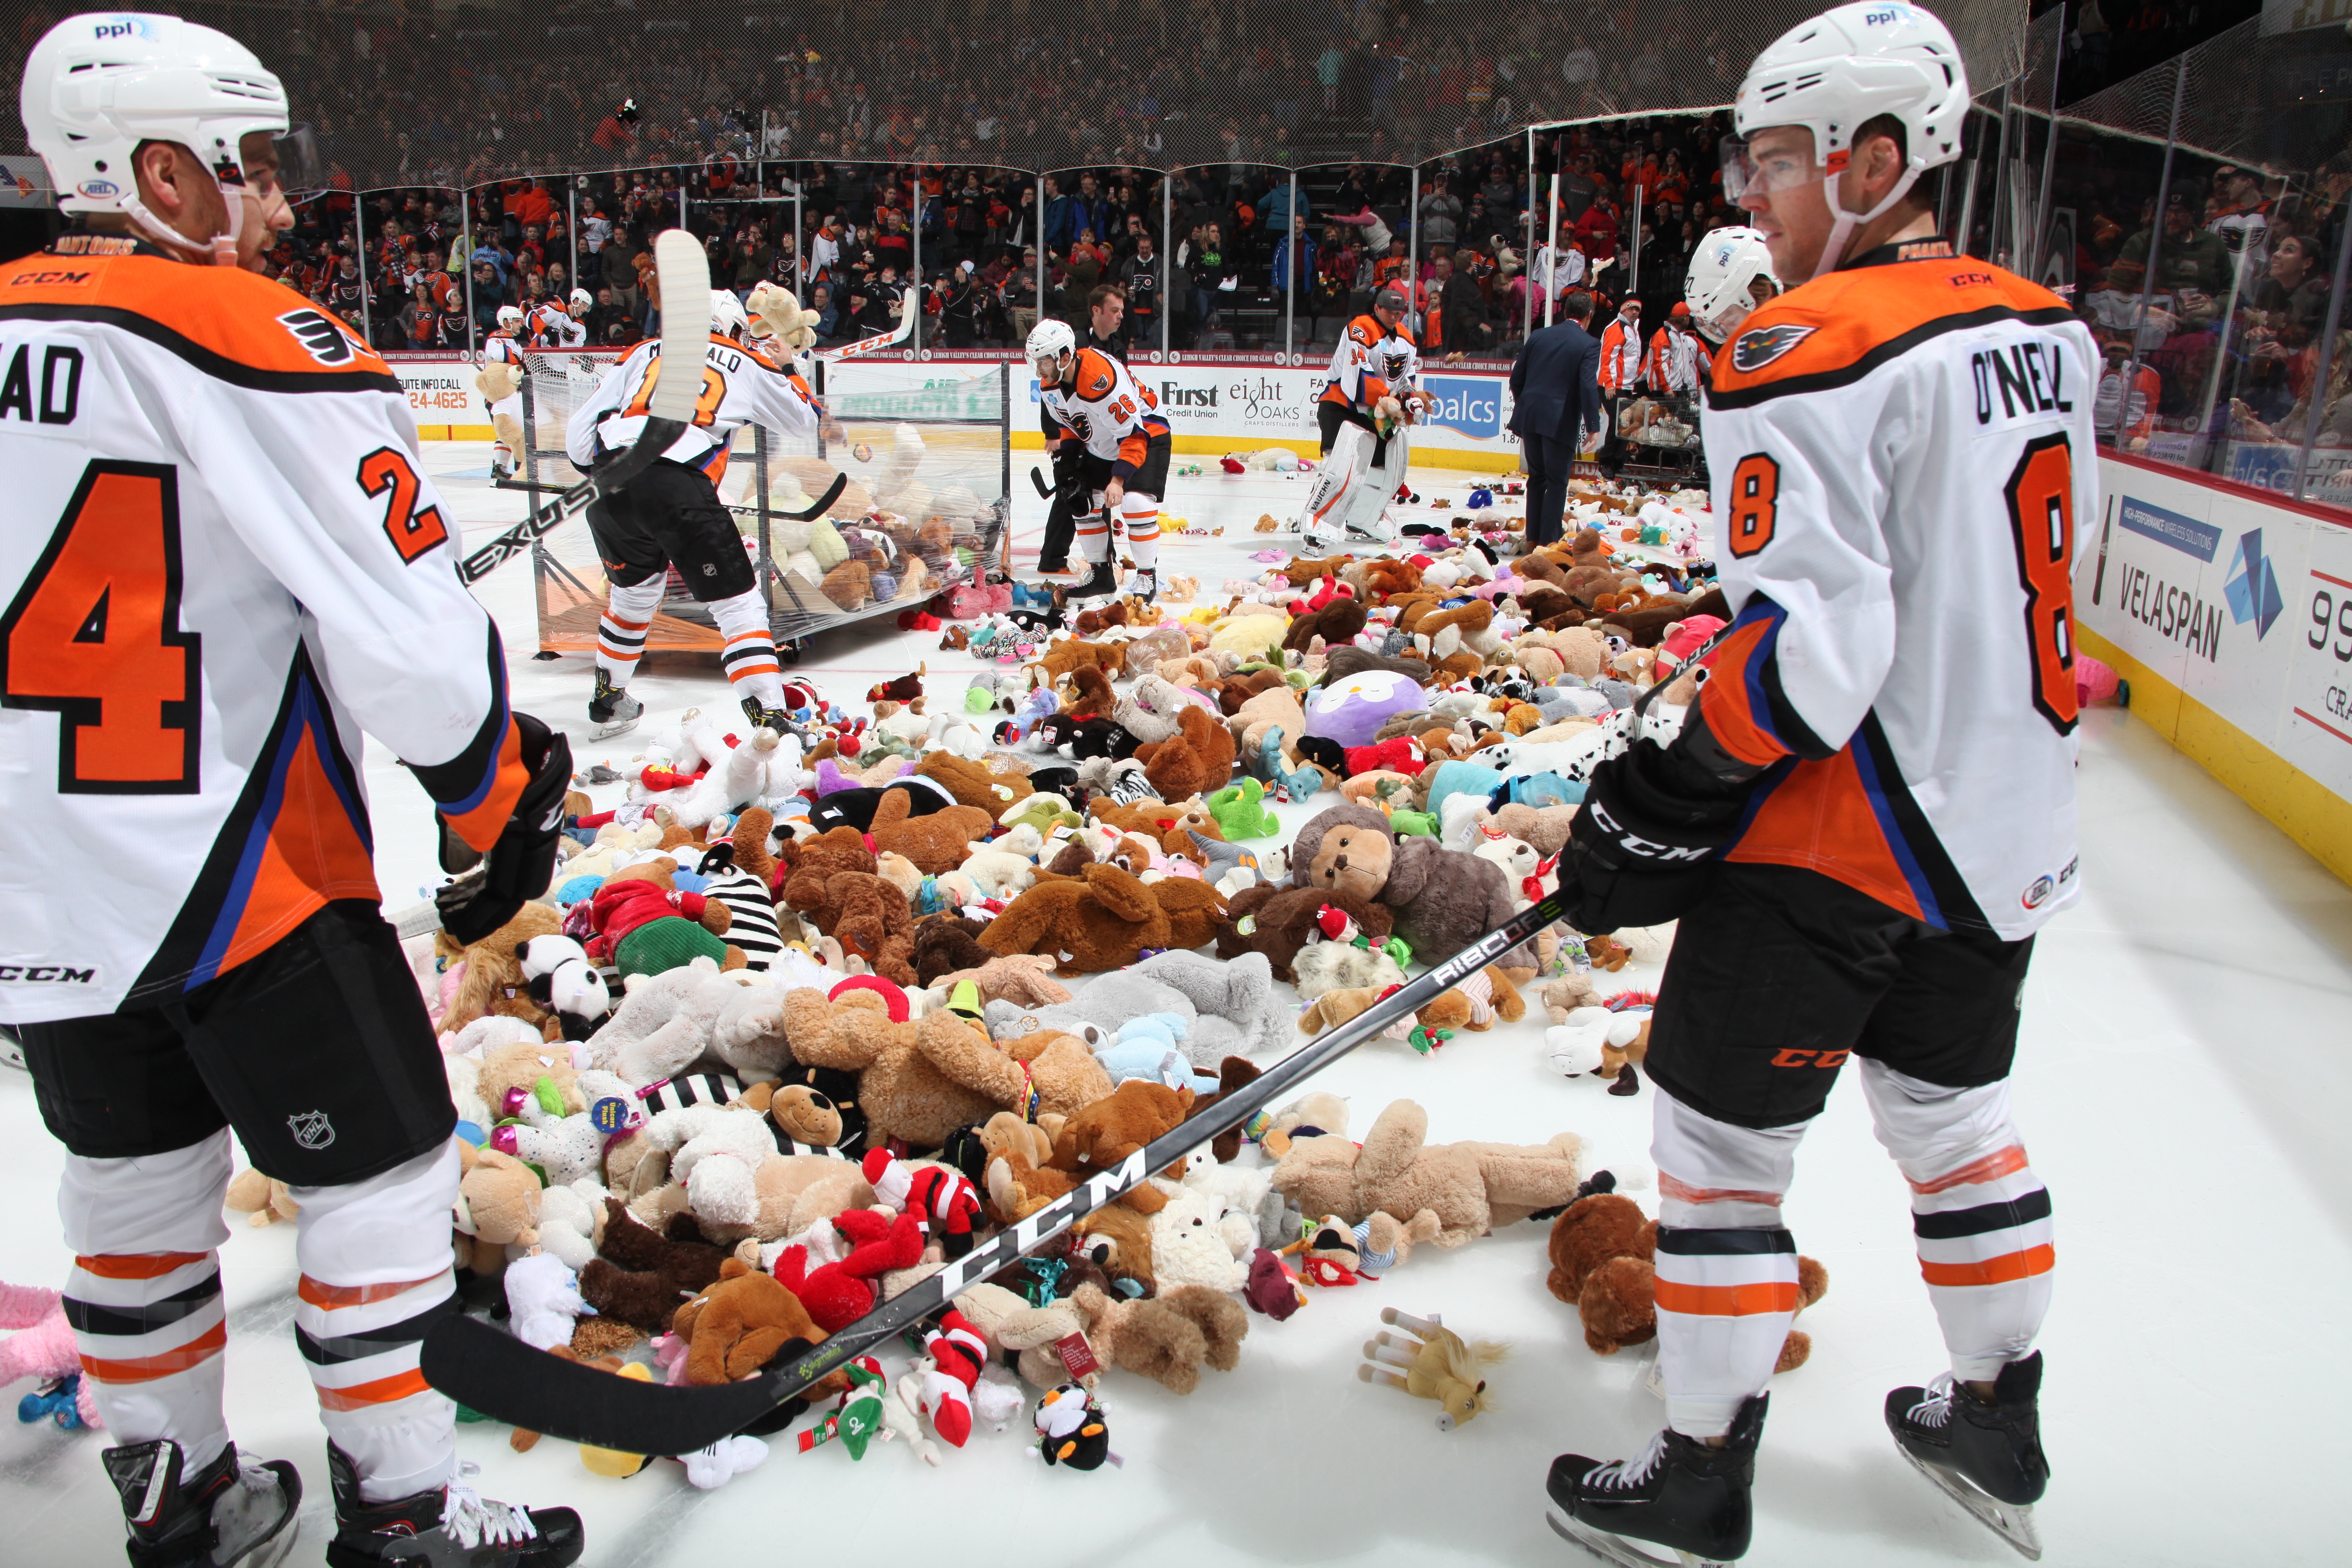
(790, 1026)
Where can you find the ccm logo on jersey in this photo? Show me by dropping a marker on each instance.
(2027, 378)
(320, 338)
(46, 975)
(1755, 349)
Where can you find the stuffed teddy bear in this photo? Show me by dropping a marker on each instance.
(1190, 1248)
(1279, 922)
(1602, 1254)
(1105, 920)
(1442, 900)
(497, 1212)
(935, 841)
(664, 1022)
(1339, 966)
(1147, 1048)
(1197, 760)
(837, 1293)
(739, 1324)
(1026, 1337)
(1471, 1187)
(1240, 811)
(643, 1274)
(1167, 1339)
(491, 981)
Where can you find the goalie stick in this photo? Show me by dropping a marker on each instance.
(488, 1369)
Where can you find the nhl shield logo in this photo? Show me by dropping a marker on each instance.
(311, 1129)
(1755, 349)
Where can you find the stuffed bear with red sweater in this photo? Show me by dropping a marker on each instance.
(645, 925)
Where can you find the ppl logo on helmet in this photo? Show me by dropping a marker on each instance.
(1473, 406)
(121, 27)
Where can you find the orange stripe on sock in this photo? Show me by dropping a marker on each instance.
(626, 625)
(626, 655)
(2002, 1270)
(382, 1391)
(743, 672)
(1727, 1300)
(1991, 1168)
(330, 1297)
(137, 1265)
(148, 1368)
(744, 636)
(1682, 1191)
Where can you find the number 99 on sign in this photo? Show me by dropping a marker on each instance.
(2331, 624)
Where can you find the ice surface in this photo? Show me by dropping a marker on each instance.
(2185, 1074)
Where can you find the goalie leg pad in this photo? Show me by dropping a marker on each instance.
(1328, 504)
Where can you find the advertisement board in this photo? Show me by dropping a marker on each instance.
(442, 399)
(2230, 612)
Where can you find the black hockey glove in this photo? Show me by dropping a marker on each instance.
(1070, 476)
(488, 889)
(1640, 852)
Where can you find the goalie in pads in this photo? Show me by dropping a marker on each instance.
(226, 564)
(1365, 414)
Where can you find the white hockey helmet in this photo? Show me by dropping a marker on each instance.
(727, 317)
(509, 317)
(1835, 73)
(581, 300)
(1719, 287)
(1048, 342)
(99, 84)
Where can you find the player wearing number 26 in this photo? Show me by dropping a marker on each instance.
(220, 564)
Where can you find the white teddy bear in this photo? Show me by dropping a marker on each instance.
(1189, 1246)
(716, 1152)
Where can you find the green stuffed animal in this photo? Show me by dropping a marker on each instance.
(1240, 811)
(1407, 823)
(1045, 811)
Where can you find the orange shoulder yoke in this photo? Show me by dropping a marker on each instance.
(242, 317)
(1833, 323)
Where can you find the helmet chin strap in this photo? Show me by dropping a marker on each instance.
(1842, 229)
(220, 251)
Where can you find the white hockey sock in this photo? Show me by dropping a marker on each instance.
(376, 1275)
(1140, 516)
(1092, 533)
(749, 656)
(144, 1295)
(621, 630)
(1726, 1280)
(1979, 1215)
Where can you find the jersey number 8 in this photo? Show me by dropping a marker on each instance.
(2041, 494)
(706, 407)
(94, 636)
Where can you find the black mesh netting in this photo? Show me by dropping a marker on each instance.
(451, 97)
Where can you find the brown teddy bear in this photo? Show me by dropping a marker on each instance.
(868, 915)
(1084, 692)
(806, 864)
(1303, 570)
(974, 784)
(1065, 653)
(1101, 921)
(1024, 979)
(643, 1273)
(1337, 622)
(1604, 1252)
(1442, 900)
(1471, 1187)
(946, 944)
(1096, 1138)
(937, 842)
(492, 984)
(739, 1324)
(1198, 761)
(1242, 685)
(1281, 920)
(1167, 1339)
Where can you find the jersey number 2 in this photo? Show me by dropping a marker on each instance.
(2041, 516)
(94, 636)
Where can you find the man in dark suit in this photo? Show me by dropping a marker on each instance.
(1556, 397)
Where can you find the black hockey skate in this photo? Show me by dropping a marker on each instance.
(612, 711)
(1145, 584)
(1101, 582)
(763, 717)
(447, 1526)
(1677, 1493)
(1987, 1453)
(228, 1512)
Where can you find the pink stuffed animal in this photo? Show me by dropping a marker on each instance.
(43, 1346)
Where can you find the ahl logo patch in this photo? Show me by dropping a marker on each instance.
(1754, 350)
(311, 1129)
(320, 337)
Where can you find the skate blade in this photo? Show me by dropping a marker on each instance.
(611, 727)
(1620, 1549)
(2012, 1521)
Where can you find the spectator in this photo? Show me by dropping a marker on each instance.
(1139, 277)
(2293, 286)
(1087, 260)
(1462, 307)
(1295, 256)
(2190, 258)
(1441, 216)
(1209, 278)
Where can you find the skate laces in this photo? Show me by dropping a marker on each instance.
(1623, 1475)
(473, 1520)
(1935, 1406)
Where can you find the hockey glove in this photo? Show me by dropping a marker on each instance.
(487, 891)
(1640, 852)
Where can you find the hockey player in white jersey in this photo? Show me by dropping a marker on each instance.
(1087, 399)
(1869, 809)
(1365, 417)
(554, 326)
(671, 515)
(225, 562)
(500, 383)
(1729, 276)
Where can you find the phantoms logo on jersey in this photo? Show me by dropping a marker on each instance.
(320, 337)
(1755, 349)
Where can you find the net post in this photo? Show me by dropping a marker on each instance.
(2000, 181)
(359, 248)
(1167, 248)
(800, 231)
(2049, 165)
(1290, 270)
(1413, 253)
(1527, 296)
(914, 296)
(465, 263)
(571, 233)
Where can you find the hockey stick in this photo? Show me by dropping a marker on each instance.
(1045, 490)
(878, 341)
(490, 1371)
(823, 504)
(685, 280)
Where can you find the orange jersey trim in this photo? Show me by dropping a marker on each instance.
(1093, 377)
(234, 325)
(1837, 329)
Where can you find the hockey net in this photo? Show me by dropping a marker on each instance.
(923, 449)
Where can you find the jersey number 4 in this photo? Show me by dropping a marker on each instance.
(2041, 494)
(94, 636)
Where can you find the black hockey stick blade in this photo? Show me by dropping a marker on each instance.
(658, 434)
(1045, 490)
(824, 502)
(502, 1376)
